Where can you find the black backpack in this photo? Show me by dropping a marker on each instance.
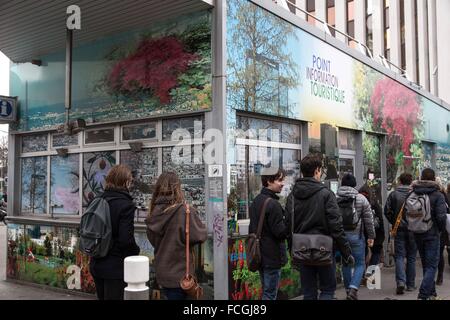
(348, 211)
(95, 228)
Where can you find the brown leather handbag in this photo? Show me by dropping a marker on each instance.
(189, 283)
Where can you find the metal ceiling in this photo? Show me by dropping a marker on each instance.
(30, 28)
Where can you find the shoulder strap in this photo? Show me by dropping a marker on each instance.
(187, 238)
(261, 218)
(399, 217)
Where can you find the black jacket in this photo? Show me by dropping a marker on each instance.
(379, 232)
(394, 204)
(437, 202)
(316, 212)
(124, 243)
(274, 232)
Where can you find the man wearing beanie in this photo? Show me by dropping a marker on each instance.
(357, 217)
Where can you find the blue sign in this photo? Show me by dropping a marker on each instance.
(8, 108)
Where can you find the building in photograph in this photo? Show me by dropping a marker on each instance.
(273, 85)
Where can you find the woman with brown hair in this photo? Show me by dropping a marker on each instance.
(166, 232)
(108, 271)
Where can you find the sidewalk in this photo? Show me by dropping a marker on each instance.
(14, 291)
(388, 286)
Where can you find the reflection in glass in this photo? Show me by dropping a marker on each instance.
(347, 139)
(372, 168)
(64, 184)
(35, 143)
(99, 135)
(191, 171)
(34, 185)
(64, 140)
(144, 167)
(189, 124)
(96, 166)
(139, 131)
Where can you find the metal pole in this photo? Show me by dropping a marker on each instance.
(68, 92)
(3, 250)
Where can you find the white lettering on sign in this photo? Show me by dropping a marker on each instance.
(74, 20)
(74, 281)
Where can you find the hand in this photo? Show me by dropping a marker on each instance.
(349, 261)
(370, 243)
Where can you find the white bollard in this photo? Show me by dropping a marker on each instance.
(3, 250)
(136, 275)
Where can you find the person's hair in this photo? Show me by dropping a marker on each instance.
(428, 174)
(365, 191)
(348, 180)
(265, 179)
(309, 164)
(169, 185)
(118, 177)
(448, 188)
(405, 178)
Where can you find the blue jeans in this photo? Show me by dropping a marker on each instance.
(428, 246)
(327, 281)
(174, 293)
(358, 245)
(405, 247)
(270, 278)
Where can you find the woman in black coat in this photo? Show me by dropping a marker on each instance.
(377, 247)
(108, 271)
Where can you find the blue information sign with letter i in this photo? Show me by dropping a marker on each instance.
(8, 109)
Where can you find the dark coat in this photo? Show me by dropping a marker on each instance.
(274, 231)
(166, 231)
(379, 232)
(437, 202)
(316, 212)
(124, 244)
(393, 205)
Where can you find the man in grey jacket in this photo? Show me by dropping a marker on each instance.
(357, 217)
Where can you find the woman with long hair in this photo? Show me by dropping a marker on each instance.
(108, 271)
(166, 232)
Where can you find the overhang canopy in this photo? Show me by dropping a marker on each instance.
(29, 29)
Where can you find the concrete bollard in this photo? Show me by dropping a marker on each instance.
(3, 250)
(136, 275)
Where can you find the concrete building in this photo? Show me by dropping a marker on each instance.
(405, 32)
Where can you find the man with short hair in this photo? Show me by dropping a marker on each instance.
(315, 211)
(274, 232)
(428, 242)
(404, 243)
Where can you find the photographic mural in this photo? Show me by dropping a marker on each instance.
(278, 69)
(64, 184)
(163, 69)
(34, 185)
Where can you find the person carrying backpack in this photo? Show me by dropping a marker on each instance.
(315, 213)
(108, 271)
(357, 219)
(425, 210)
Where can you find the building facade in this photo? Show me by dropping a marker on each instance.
(405, 32)
(262, 83)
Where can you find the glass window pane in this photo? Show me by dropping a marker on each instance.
(144, 167)
(291, 164)
(64, 140)
(347, 139)
(139, 131)
(64, 184)
(291, 133)
(169, 126)
(99, 135)
(35, 143)
(96, 166)
(34, 185)
(191, 174)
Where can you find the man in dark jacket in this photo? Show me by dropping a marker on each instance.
(404, 243)
(316, 212)
(428, 242)
(273, 235)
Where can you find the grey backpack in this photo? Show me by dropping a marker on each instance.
(95, 228)
(418, 213)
